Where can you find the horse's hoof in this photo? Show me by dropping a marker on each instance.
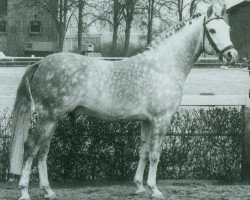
(24, 198)
(248, 195)
(50, 196)
(140, 190)
(158, 196)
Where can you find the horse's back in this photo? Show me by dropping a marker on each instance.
(61, 80)
(64, 81)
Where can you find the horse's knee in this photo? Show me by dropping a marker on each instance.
(29, 149)
(41, 155)
(43, 150)
(154, 157)
(144, 154)
(28, 145)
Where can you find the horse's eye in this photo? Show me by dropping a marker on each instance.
(212, 30)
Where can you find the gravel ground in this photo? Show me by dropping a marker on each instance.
(125, 190)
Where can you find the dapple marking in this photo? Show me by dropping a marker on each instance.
(146, 87)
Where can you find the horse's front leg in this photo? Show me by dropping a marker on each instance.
(144, 149)
(158, 129)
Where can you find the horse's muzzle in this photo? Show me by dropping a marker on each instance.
(230, 56)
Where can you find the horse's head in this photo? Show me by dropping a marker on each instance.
(216, 37)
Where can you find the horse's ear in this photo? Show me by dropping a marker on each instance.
(210, 11)
(224, 10)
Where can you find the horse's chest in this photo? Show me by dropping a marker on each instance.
(164, 96)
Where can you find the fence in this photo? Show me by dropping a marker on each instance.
(25, 61)
(203, 144)
(232, 100)
(200, 144)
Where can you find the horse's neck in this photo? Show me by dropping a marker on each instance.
(178, 53)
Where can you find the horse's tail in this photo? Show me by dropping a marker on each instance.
(21, 120)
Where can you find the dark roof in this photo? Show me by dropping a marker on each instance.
(232, 3)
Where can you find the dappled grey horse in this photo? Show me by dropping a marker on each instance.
(146, 87)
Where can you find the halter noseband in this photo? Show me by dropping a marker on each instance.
(206, 33)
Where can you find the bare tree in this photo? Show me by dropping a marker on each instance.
(63, 10)
(128, 13)
(80, 24)
(184, 6)
(174, 5)
(117, 17)
(149, 10)
(112, 13)
(150, 13)
(85, 15)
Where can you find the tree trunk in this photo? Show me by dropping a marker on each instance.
(149, 34)
(61, 40)
(114, 40)
(115, 28)
(150, 20)
(180, 9)
(129, 7)
(127, 39)
(60, 28)
(65, 12)
(80, 27)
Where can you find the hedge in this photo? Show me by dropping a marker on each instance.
(200, 144)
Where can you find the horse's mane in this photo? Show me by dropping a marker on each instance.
(171, 31)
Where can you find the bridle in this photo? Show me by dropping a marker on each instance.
(206, 33)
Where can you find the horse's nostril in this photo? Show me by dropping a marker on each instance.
(229, 55)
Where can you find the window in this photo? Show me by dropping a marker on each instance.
(3, 7)
(35, 27)
(3, 26)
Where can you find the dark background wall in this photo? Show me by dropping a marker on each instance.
(239, 20)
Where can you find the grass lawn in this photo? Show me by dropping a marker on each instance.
(173, 190)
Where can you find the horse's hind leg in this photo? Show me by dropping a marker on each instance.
(42, 164)
(31, 148)
(30, 151)
(144, 149)
(24, 181)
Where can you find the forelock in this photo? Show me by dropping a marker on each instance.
(217, 8)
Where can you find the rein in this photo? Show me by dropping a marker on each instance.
(206, 33)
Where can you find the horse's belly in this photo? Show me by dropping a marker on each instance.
(81, 110)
